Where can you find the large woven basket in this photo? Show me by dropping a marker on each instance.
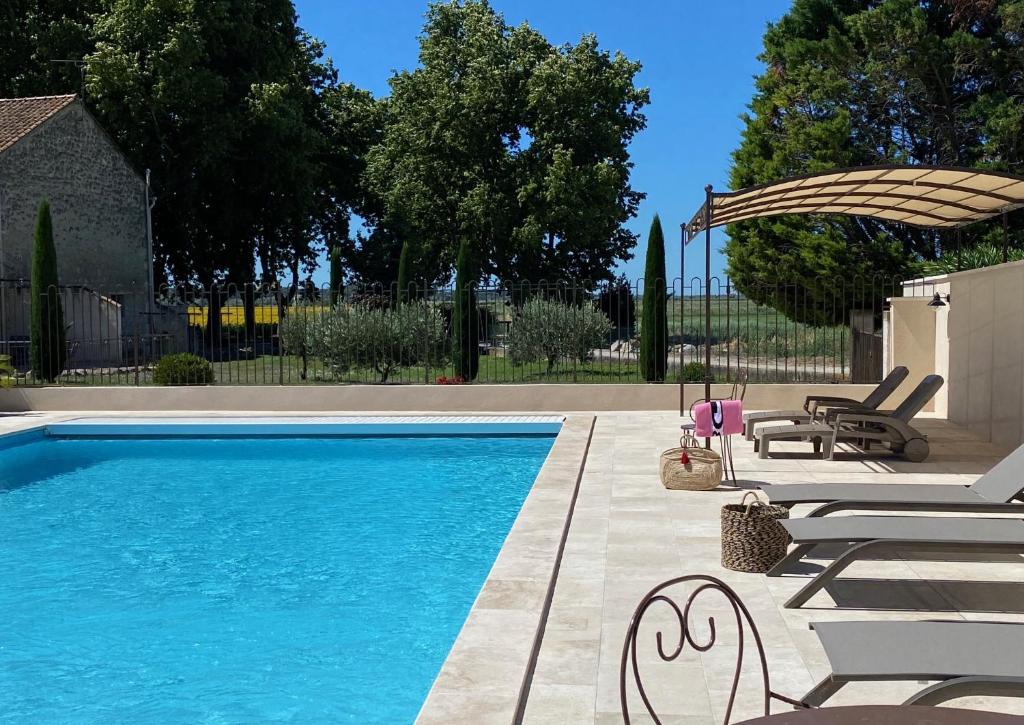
(702, 470)
(753, 540)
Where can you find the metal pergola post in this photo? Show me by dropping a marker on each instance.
(682, 312)
(709, 217)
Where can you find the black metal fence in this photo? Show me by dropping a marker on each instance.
(822, 331)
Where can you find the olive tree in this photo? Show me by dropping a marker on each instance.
(298, 330)
(549, 331)
(382, 338)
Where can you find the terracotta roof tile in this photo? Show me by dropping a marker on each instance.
(18, 116)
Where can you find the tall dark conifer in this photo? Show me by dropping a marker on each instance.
(337, 275)
(48, 349)
(654, 324)
(465, 322)
(404, 274)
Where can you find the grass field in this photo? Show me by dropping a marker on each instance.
(287, 369)
(756, 330)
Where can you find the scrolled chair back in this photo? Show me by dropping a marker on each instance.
(685, 636)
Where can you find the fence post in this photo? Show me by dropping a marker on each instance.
(426, 352)
(135, 344)
(280, 346)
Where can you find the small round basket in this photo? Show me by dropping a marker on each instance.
(702, 470)
(753, 540)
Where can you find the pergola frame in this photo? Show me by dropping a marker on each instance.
(927, 197)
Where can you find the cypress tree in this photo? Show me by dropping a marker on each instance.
(465, 325)
(404, 274)
(47, 348)
(654, 323)
(337, 274)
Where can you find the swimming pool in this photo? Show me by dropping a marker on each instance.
(244, 579)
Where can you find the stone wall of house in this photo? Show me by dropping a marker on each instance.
(97, 201)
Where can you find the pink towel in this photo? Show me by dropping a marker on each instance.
(719, 417)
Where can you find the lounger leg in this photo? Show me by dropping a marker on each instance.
(762, 451)
(799, 552)
(834, 569)
(821, 692)
(969, 687)
(830, 447)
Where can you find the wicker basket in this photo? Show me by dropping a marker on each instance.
(702, 470)
(753, 540)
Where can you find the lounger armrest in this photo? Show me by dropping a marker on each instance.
(863, 416)
(828, 413)
(972, 507)
(875, 418)
(813, 401)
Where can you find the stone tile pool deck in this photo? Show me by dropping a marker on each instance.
(628, 534)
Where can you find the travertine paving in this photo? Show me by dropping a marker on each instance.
(629, 534)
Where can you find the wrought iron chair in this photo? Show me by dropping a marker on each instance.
(683, 615)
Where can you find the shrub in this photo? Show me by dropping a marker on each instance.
(384, 339)
(298, 332)
(48, 349)
(975, 257)
(6, 371)
(692, 372)
(183, 369)
(549, 330)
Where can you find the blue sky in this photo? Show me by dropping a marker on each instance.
(699, 61)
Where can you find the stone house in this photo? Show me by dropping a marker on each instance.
(53, 148)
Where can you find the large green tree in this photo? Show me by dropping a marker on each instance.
(223, 100)
(36, 33)
(517, 146)
(857, 82)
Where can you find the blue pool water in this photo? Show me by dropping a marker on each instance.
(244, 580)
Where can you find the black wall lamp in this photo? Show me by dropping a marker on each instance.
(937, 300)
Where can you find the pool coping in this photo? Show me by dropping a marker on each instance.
(486, 675)
(320, 426)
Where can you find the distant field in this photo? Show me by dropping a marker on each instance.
(756, 330)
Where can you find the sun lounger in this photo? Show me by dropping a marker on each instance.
(891, 428)
(990, 494)
(963, 658)
(967, 658)
(906, 536)
(816, 405)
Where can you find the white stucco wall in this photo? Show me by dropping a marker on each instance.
(978, 346)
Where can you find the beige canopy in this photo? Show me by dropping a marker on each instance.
(921, 196)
